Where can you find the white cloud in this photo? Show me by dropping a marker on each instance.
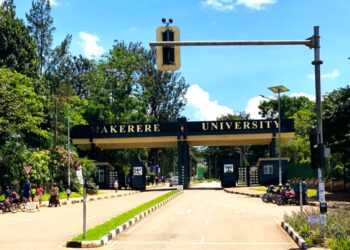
(330, 75)
(1, 2)
(221, 5)
(206, 109)
(53, 2)
(228, 5)
(90, 46)
(255, 4)
(252, 107)
(310, 97)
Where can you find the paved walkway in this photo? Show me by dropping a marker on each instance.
(334, 200)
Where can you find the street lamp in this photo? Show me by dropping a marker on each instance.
(279, 89)
(68, 100)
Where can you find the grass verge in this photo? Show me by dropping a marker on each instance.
(99, 231)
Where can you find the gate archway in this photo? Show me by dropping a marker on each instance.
(181, 134)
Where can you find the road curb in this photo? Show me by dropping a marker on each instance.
(75, 201)
(113, 233)
(296, 237)
(251, 195)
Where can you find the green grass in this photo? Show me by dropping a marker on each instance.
(99, 231)
(259, 188)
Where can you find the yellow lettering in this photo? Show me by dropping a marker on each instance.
(104, 130)
(122, 129)
(156, 128)
(238, 125)
(139, 128)
(261, 124)
(113, 129)
(228, 125)
(213, 126)
(277, 124)
(254, 124)
(268, 123)
(148, 128)
(221, 126)
(205, 126)
(246, 125)
(131, 129)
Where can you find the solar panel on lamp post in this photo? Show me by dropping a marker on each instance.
(279, 89)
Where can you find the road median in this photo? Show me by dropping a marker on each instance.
(101, 234)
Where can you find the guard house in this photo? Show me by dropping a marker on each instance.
(105, 175)
(269, 170)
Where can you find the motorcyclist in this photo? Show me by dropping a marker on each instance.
(54, 197)
(8, 192)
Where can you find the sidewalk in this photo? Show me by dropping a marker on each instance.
(105, 194)
(334, 200)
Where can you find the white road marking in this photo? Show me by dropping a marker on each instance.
(200, 243)
(207, 221)
(144, 219)
(202, 240)
(17, 222)
(210, 210)
(189, 211)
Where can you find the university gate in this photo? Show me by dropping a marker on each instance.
(183, 135)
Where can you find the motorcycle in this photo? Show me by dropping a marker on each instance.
(7, 206)
(267, 197)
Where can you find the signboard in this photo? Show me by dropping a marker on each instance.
(323, 219)
(79, 174)
(321, 191)
(27, 169)
(137, 170)
(313, 219)
(228, 168)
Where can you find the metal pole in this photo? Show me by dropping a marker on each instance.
(84, 213)
(68, 148)
(301, 196)
(231, 43)
(317, 63)
(279, 140)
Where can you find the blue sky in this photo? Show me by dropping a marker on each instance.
(222, 79)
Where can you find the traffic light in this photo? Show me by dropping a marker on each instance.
(317, 152)
(168, 58)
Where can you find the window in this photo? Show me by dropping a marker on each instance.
(101, 175)
(228, 168)
(268, 169)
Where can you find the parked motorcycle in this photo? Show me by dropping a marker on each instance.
(267, 197)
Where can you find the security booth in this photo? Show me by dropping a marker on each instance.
(228, 174)
(269, 170)
(105, 175)
(138, 176)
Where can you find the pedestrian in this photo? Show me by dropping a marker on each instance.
(40, 192)
(26, 192)
(32, 193)
(8, 192)
(116, 186)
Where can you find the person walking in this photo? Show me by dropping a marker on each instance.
(32, 193)
(116, 185)
(40, 192)
(26, 192)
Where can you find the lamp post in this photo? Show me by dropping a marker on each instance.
(279, 89)
(68, 100)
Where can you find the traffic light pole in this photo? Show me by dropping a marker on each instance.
(313, 43)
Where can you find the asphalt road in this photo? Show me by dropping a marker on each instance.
(50, 228)
(209, 219)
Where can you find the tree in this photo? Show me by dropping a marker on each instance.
(17, 47)
(336, 121)
(163, 91)
(41, 27)
(21, 109)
